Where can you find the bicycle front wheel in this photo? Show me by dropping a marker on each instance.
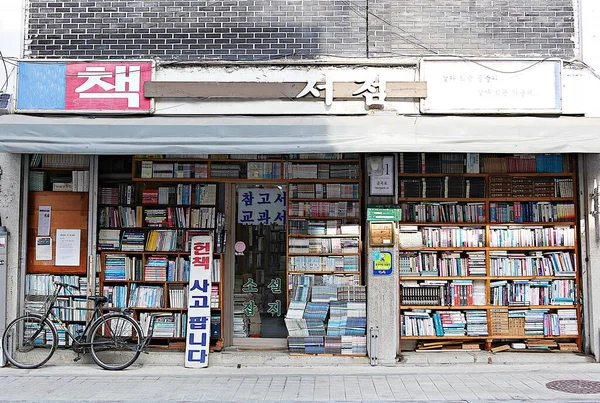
(29, 341)
(116, 341)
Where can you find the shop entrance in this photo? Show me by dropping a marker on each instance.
(260, 265)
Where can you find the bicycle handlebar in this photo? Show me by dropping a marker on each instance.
(56, 282)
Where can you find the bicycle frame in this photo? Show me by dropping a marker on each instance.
(80, 342)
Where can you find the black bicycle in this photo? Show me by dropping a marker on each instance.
(114, 339)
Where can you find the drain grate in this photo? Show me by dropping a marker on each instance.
(575, 386)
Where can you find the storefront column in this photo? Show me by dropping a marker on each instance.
(590, 245)
(382, 308)
(10, 213)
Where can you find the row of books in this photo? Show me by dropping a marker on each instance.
(119, 217)
(442, 264)
(150, 169)
(123, 193)
(307, 156)
(324, 209)
(442, 212)
(452, 237)
(164, 240)
(533, 292)
(155, 268)
(116, 294)
(449, 187)
(531, 212)
(517, 186)
(438, 162)
(525, 163)
(342, 345)
(543, 322)
(180, 217)
(532, 236)
(328, 227)
(330, 264)
(178, 296)
(424, 322)
(43, 284)
(60, 161)
(441, 293)
(534, 263)
(323, 245)
(146, 296)
(324, 191)
(321, 171)
(166, 324)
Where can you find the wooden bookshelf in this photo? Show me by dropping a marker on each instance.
(324, 229)
(544, 200)
(162, 206)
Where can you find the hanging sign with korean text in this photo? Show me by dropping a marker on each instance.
(261, 206)
(68, 87)
(198, 324)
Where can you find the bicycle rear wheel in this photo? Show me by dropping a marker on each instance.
(29, 342)
(116, 341)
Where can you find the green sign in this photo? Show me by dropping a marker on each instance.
(383, 214)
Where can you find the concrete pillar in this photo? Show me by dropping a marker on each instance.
(590, 248)
(10, 212)
(382, 307)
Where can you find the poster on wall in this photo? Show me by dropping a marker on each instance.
(200, 284)
(68, 250)
(261, 206)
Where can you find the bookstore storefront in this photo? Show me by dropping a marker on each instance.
(465, 230)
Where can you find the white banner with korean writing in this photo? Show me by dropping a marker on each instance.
(198, 324)
(261, 206)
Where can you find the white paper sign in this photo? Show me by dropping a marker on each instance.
(261, 206)
(198, 327)
(383, 185)
(68, 243)
(44, 215)
(43, 248)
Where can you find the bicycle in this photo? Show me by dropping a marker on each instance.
(113, 338)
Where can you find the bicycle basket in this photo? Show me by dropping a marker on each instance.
(38, 304)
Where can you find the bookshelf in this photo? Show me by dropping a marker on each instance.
(488, 252)
(144, 236)
(58, 185)
(326, 303)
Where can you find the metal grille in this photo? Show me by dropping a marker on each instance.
(576, 386)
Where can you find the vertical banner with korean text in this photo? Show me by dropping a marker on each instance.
(198, 326)
(261, 206)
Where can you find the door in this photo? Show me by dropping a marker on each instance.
(260, 265)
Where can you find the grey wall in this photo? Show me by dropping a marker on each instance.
(274, 29)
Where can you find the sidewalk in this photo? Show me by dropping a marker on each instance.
(473, 383)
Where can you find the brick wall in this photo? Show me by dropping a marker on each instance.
(275, 29)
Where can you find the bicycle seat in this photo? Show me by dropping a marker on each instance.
(98, 299)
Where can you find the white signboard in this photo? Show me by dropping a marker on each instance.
(261, 206)
(488, 86)
(198, 325)
(383, 185)
(68, 250)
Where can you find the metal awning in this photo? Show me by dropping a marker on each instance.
(297, 134)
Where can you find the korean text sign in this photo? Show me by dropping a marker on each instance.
(198, 326)
(261, 206)
(114, 86)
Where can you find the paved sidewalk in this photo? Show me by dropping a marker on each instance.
(450, 383)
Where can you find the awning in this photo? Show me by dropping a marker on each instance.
(297, 134)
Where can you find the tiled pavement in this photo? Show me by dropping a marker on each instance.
(450, 383)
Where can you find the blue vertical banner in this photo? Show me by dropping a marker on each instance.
(198, 326)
